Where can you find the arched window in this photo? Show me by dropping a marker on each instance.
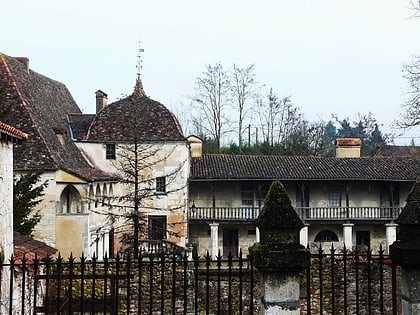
(91, 196)
(110, 194)
(70, 200)
(97, 195)
(104, 191)
(326, 236)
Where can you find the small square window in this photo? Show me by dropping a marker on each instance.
(161, 184)
(110, 151)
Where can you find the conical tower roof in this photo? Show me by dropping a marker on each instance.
(136, 117)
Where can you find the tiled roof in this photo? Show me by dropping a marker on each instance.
(229, 167)
(25, 246)
(12, 132)
(40, 108)
(79, 125)
(135, 116)
(398, 150)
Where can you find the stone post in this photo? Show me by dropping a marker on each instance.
(279, 257)
(406, 252)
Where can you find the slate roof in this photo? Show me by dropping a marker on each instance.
(40, 108)
(246, 167)
(134, 116)
(25, 246)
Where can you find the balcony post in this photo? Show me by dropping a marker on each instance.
(279, 257)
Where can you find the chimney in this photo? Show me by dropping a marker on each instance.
(101, 100)
(25, 61)
(196, 146)
(347, 147)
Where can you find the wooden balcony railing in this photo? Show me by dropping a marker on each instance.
(305, 213)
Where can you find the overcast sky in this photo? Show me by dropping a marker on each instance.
(332, 56)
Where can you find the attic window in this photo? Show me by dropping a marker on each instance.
(161, 184)
(110, 151)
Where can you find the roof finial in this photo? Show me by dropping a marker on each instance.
(138, 88)
(139, 61)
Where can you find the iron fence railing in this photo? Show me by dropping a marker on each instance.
(337, 282)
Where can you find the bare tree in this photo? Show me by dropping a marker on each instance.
(243, 81)
(279, 118)
(135, 165)
(152, 177)
(411, 115)
(411, 108)
(212, 98)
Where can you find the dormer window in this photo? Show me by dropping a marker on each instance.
(110, 151)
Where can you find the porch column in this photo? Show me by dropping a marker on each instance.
(303, 235)
(348, 235)
(257, 235)
(391, 235)
(214, 236)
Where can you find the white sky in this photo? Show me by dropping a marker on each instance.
(332, 56)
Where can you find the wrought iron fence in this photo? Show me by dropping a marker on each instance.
(346, 282)
(155, 283)
(356, 282)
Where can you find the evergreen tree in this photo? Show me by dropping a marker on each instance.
(26, 195)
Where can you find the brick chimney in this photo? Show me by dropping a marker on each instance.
(101, 100)
(348, 147)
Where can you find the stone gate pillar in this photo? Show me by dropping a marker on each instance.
(406, 252)
(279, 256)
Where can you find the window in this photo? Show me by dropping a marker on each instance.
(302, 195)
(252, 194)
(335, 198)
(161, 184)
(110, 151)
(326, 236)
(390, 197)
(363, 238)
(157, 227)
(70, 200)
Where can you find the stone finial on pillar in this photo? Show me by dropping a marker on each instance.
(279, 256)
(406, 251)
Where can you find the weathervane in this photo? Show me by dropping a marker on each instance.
(139, 60)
